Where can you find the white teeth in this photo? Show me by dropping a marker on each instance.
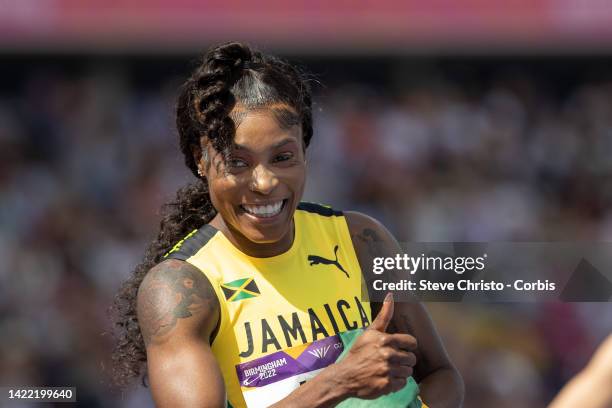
(264, 211)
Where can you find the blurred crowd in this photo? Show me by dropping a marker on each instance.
(86, 160)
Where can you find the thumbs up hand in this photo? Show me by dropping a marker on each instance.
(379, 362)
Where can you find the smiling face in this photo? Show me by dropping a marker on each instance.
(258, 189)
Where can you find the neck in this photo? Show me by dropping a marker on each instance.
(254, 249)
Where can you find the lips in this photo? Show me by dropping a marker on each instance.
(267, 210)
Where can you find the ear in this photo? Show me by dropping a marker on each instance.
(200, 159)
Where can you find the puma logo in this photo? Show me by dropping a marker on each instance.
(315, 260)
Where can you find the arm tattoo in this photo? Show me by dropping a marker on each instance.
(371, 240)
(171, 291)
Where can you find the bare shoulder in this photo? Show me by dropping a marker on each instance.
(358, 221)
(176, 298)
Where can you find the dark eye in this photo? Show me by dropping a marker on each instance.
(237, 163)
(283, 157)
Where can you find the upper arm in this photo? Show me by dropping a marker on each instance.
(177, 313)
(371, 239)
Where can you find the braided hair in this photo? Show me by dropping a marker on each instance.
(229, 76)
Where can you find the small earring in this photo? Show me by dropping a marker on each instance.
(200, 173)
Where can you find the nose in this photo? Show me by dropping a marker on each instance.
(263, 180)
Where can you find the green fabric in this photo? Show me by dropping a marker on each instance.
(404, 398)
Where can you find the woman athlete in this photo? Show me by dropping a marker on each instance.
(248, 297)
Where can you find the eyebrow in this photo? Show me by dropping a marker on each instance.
(274, 146)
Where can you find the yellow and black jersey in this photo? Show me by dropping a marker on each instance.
(282, 317)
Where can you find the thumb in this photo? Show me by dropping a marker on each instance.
(384, 316)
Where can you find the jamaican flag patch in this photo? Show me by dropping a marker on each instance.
(240, 289)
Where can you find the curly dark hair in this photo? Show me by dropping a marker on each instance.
(230, 75)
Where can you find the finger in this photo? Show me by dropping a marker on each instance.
(398, 383)
(402, 341)
(400, 372)
(398, 357)
(384, 316)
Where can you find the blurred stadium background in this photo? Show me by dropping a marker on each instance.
(449, 121)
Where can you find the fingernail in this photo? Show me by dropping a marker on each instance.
(389, 297)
